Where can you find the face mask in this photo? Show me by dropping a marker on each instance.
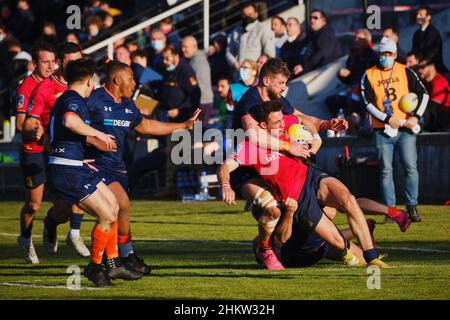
(171, 67)
(2, 36)
(386, 62)
(95, 33)
(291, 38)
(421, 20)
(246, 21)
(158, 45)
(245, 74)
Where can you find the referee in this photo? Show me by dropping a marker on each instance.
(382, 87)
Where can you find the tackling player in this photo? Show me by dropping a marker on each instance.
(74, 182)
(37, 120)
(32, 159)
(290, 178)
(112, 111)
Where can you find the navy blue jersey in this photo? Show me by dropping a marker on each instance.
(252, 99)
(114, 118)
(65, 143)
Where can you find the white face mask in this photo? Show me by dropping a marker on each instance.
(291, 38)
(2, 36)
(245, 74)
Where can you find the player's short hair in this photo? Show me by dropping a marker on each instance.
(42, 46)
(262, 111)
(67, 48)
(394, 30)
(224, 78)
(425, 60)
(79, 70)
(113, 67)
(274, 67)
(172, 49)
(249, 4)
(416, 54)
(139, 53)
(426, 8)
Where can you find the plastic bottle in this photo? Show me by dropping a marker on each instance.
(341, 115)
(204, 195)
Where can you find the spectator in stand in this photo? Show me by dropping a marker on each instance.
(279, 30)
(436, 117)
(361, 58)
(22, 23)
(49, 32)
(122, 54)
(261, 60)
(179, 94)
(143, 75)
(217, 59)
(223, 86)
(412, 59)
(427, 40)
(72, 37)
(167, 27)
(6, 57)
(392, 33)
(294, 48)
(199, 63)
(250, 40)
(94, 26)
(131, 45)
(107, 20)
(323, 46)
(248, 74)
(157, 45)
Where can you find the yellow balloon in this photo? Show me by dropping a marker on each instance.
(299, 133)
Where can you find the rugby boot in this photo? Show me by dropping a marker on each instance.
(28, 250)
(96, 274)
(135, 263)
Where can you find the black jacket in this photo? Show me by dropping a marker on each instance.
(292, 52)
(358, 63)
(323, 48)
(429, 43)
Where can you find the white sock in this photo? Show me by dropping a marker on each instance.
(74, 233)
(125, 249)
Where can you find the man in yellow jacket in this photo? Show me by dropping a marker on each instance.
(382, 87)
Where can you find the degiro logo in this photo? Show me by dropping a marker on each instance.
(116, 123)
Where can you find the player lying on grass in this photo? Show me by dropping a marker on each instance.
(112, 111)
(34, 162)
(73, 181)
(295, 245)
(289, 177)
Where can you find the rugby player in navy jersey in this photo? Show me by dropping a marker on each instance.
(73, 181)
(113, 112)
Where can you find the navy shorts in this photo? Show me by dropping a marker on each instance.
(241, 176)
(73, 184)
(302, 259)
(109, 176)
(309, 210)
(33, 167)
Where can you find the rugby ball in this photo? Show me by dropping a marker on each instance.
(298, 133)
(408, 103)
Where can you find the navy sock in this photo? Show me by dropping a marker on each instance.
(75, 221)
(26, 232)
(50, 224)
(370, 255)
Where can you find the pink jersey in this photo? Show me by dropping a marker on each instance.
(284, 173)
(43, 99)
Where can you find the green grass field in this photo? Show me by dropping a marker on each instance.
(203, 251)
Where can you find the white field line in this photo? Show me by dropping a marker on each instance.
(243, 243)
(12, 284)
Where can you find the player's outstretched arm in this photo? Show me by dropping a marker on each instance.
(223, 174)
(75, 124)
(32, 129)
(158, 128)
(334, 124)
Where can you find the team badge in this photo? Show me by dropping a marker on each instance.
(193, 81)
(20, 100)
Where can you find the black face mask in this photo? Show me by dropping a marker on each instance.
(246, 21)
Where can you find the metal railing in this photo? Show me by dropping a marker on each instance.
(109, 43)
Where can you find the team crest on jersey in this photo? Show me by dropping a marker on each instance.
(193, 81)
(30, 105)
(73, 106)
(20, 100)
(229, 106)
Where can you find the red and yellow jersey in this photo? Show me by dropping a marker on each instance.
(42, 101)
(284, 173)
